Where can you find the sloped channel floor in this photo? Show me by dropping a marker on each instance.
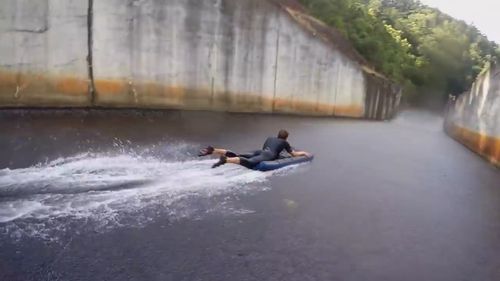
(120, 195)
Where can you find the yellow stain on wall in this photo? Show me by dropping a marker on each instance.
(61, 90)
(71, 86)
(154, 94)
(40, 89)
(157, 89)
(111, 87)
(8, 78)
(321, 109)
(349, 111)
(486, 146)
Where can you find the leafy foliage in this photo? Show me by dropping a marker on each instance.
(430, 53)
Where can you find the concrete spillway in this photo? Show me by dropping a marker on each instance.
(243, 56)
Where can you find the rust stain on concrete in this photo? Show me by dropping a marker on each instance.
(122, 93)
(326, 108)
(349, 111)
(8, 78)
(35, 89)
(42, 90)
(250, 102)
(486, 146)
(71, 86)
(314, 108)
(111, 87)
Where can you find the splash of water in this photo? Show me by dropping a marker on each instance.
(110, 190)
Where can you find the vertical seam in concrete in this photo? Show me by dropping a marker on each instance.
(337, 83)
(276, 69)
(367, 96)
(212, 76)
(212, 96)
(90, 23)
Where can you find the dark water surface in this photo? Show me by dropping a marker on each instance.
(120, 195)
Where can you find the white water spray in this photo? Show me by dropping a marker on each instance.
(111, 190)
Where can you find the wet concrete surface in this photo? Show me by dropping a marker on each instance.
(382, 201)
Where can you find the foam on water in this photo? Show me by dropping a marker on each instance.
(106, 190)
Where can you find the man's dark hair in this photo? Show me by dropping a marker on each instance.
(283, 134)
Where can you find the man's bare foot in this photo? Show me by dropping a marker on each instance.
(206, 151)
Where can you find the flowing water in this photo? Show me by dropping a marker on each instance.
(121, 195)
(122, 185)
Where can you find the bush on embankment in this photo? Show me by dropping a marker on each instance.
(430, 53)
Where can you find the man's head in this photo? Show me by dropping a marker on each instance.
(283, 134)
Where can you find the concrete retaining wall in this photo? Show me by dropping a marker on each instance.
(43, 53)
(474, 118)
(228, 55)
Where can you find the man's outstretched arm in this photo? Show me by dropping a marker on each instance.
(296, 153)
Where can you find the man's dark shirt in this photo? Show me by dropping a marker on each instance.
(276, 145)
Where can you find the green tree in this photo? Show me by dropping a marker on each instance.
(428, 52)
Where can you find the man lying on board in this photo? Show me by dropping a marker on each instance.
(270, 151)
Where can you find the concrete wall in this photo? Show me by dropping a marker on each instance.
(43, 53)
(228, 55)
(474, 118)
